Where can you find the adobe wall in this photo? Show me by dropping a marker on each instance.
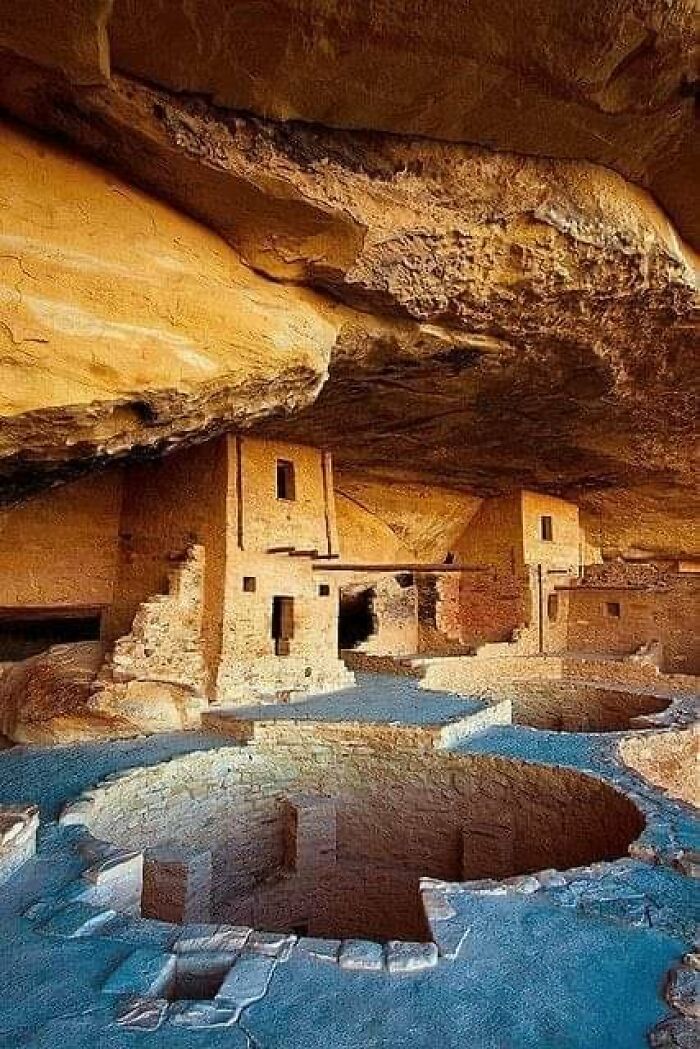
(666, 610)
(268, 521)
(249, 666)
(60, 548)
(168, 506)
(510, 599)
(564, 551)
(258, 522)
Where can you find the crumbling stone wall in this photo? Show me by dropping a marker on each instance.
(649, 605)
(394, 609)
(169, 506)
(165, 641)
(159, 665)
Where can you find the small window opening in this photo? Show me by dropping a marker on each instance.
(552, 607)
(285, 480)
(612, 608)
(546, 529)
(249, 584)
(324, 590)
(282, 624)
(405, 579)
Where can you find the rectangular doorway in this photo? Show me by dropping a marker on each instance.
(282, 623)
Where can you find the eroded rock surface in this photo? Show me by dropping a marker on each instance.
(483, 319)
(670, 760)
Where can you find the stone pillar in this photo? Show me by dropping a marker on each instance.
(177, 884)
(310, 829)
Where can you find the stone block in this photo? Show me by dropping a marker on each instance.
(247, 982)
(683, 991)
(177, 884)
(202, 937)
(146, 972)
(271, 944)
(143, 1014)
(203, 1015)
(363, 955)
(405, 957)
(319, 949)
(18, 829)
(116, 882)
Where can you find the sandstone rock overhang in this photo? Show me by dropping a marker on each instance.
(529, 305)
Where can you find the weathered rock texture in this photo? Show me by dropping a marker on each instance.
(608, 82)
(524, 313)
(124, 323)
(671, 760)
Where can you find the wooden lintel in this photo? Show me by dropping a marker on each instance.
(609, 589)
(417, 569)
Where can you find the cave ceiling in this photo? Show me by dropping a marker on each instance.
(467, 233)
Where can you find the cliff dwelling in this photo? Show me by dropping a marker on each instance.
(349, 560)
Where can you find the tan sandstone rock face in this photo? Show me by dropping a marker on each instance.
(606, 81)
(532, 312)
(481, 319)
(68, 37)
(125, 323)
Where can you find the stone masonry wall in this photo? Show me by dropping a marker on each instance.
(399, 807)
(165, 642)
(652, 606)
(169, 506)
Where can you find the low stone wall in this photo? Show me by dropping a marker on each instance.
(577, 707)
(487, 673)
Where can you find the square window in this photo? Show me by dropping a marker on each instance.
(546, 529)
(286, 488)
(324, 590)
(613, 609)
(249, 584)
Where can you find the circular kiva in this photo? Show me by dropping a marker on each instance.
(312, 832)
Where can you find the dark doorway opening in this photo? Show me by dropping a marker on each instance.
(355, 621)
(26, 633)
(282, 623)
